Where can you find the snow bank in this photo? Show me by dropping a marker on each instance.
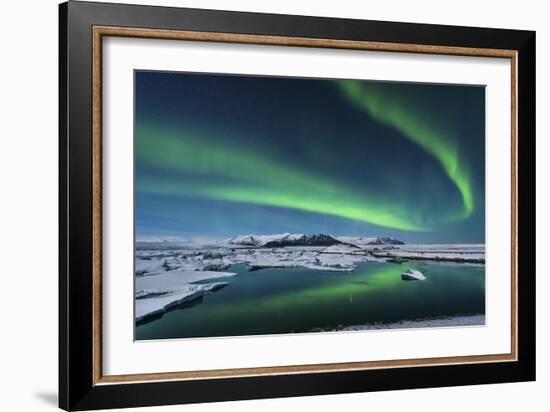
(472, 320)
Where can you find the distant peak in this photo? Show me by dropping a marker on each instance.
(300, 239)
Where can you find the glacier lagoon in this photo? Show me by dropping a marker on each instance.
(341, 289)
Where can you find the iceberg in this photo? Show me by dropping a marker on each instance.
(412, 274)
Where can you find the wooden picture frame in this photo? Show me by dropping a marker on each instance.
(82, 384)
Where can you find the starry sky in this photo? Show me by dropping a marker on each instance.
(221, 155)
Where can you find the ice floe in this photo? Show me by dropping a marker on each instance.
(156, 293)
(412, 274)
(156, 302)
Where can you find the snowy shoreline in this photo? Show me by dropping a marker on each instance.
(470, 320)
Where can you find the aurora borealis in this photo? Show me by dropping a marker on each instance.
(220, 155)
(386, 104)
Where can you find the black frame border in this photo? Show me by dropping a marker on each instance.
(76, 387)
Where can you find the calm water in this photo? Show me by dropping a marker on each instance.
(301, 300)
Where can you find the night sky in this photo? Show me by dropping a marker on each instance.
(219, 155)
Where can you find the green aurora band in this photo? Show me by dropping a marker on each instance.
(392, 109)
(234, 175)
(237, 173)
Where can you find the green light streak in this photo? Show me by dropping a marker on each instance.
(239, 174)
(393, 110)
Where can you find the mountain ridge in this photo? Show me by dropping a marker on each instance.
(300, 239)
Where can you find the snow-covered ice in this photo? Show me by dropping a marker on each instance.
(150, 266)
(412, 274)
(176, 278)
(472, 253)
(346, 249)
(156, 293)
(150, 306)
(342, 256)
(167, 273)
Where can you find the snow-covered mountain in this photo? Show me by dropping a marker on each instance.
(283, 239)
(365, 241)
(300, 239)
(386, 241)
(303, 240)
(260, 240)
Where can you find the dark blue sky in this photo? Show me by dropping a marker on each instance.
(220, 155)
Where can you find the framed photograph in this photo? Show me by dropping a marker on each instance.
(257, 205)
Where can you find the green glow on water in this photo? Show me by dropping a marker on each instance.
(300, 300)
